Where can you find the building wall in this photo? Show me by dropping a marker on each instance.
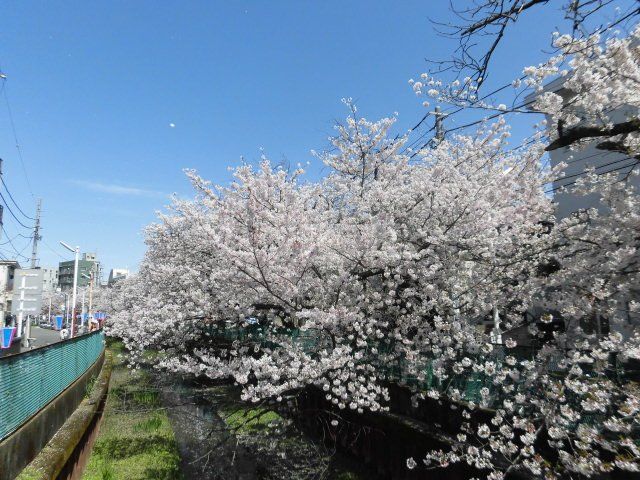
(7, 274)
(65, 273)
(603, 161)
(49, 279)
(117, 274)
(578, 160)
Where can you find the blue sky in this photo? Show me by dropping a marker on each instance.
(95, 86)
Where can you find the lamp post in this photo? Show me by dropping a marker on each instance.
(75, 284)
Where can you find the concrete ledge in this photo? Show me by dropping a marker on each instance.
(22, 446)
(55, 455)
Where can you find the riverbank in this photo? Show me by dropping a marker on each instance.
(162, 427)
(135, 441)
(222, 438)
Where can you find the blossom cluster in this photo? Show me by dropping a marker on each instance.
(399, 256)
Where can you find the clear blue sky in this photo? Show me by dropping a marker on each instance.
(94, 87)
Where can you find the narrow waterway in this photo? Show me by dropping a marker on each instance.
(220, 437)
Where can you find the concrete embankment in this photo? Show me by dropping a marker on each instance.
(22, 446)
(135, 440)
(62, 455)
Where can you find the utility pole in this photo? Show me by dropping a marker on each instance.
(439, 126)
(84, 290)
(75, 284)
(90, 277)
(91, 295)
(496, 332)
(2, 313)
(36, 235)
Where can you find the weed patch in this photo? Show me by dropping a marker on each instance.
(136, 441)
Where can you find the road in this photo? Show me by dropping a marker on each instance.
(43, 337)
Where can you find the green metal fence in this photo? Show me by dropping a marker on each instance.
(418, 376)
(30, 380)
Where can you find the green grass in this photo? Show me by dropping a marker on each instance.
(135, 441)
(250, 420)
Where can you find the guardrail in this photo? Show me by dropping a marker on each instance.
(30, 380)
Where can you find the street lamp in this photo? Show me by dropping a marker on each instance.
(75, 284)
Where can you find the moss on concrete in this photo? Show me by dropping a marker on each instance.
(135, 441)
(53, 457)
(348, 476)
(250, 420)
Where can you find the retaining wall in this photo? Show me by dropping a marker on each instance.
(66, 454)
(22, 446)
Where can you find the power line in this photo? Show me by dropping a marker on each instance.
(15, 250)
(475, 105)
(632, 165)
(18, 234)
(6, 204)
(623, 159)
(53, 250)
(15, 135)
(8, 240)
(13, 200)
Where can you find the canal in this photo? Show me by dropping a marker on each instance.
(220, 437)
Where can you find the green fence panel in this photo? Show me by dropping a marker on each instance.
(30, 380)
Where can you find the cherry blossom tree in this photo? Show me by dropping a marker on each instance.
(391, 258)
(56, 299)
(569, 409)
(382, 255)
(599, 70)
(398, 254)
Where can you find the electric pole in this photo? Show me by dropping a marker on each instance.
(36, 235)
(2, 313)
(439, 126)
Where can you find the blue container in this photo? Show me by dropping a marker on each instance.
(7, 336)
(58, 324)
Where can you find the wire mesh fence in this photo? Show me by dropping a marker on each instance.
(389, 364)
(30, 380)
(418, 375)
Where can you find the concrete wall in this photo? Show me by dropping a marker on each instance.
(21, 447)
(589, 156)
(66, 454)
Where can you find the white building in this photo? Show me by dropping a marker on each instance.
(7, 275)
(117, 274)
(49, 279)
(578, 160)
